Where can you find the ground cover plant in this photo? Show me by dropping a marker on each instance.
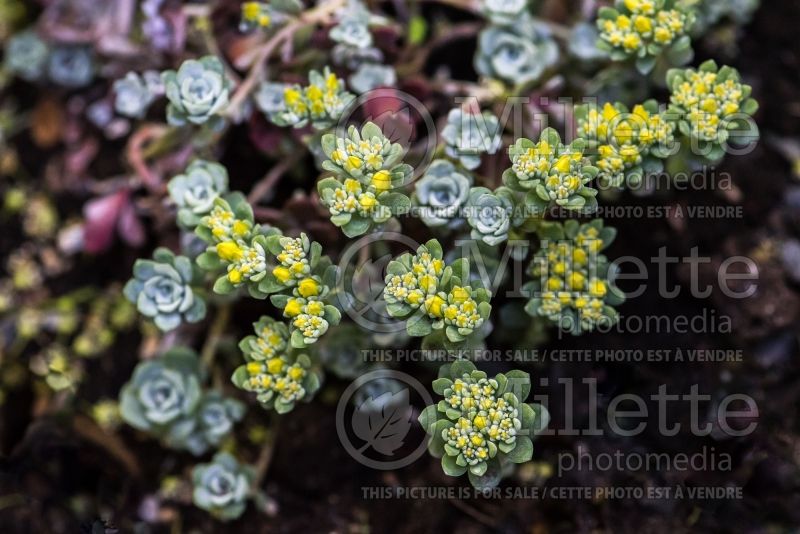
(223, 217)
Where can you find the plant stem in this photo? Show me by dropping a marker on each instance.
(214, 335)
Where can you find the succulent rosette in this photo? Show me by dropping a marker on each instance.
(214, 421)
(482, 424)
(491, 214)
(441, 193)
(195, 191)
(710, 103)
(198, 91)
(163, 395)
(162, 290)
(504, 12)
(26, 55)
(518, 54)
(133, 94)
(572, 282)
(368, 174)
(222, 487)
(468, 135)
(551, 172)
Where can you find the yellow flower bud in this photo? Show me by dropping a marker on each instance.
(315, 307)
(293, 307)
(282, 274)
(382, 180)
(275, 366)
(308, 288)
(229, 251)
(235, 276)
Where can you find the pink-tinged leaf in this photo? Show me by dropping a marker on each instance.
(130, 227)
(101, 217)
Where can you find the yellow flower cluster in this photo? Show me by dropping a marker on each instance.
(307, 315)
(708, 101)
(645, 23)
(256, 14)
(277, 375)
(351, 197)
(244, 261)
(624, 138)
(323, 100)
(293, 261)
(461, 309)
(225, 226)
(420, 284)
(269, 342)
(485, 419)
(365, 158)
(570, 279)
(560, 172)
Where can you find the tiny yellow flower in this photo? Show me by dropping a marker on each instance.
(275, 366)
(282, 274)
(235, 276)
(382, 180)
(308, 288)
(229, 251)
(293, 307)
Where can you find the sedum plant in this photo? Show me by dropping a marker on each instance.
(468, 135)
(26, 55)
(518, 54)
(572, 282)
(222, 487)
(162, 290)
(711, 102)
(490, 214)
(196, 190)
(626, 144)
(647, 30)
(133, 94)
(320, 104)
(368, 171)
(504, 12)
(550, 172)
(441, 193)
(197, 91)
(430, 296)
(278, 377)
(482, 424)
(164, 398)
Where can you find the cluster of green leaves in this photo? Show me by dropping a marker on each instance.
(483, 424)
(431, 296)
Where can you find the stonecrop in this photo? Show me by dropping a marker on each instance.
(626, 144)
(277, 376)
(368, 171)
(441, 192)
(162, 290)
(321, 103)
(572, 284)
(646, 30)
(222, 487)
(711, 102)
(551, 172)
(197, 91)
(482, 424)
(195, 191)
(468, 135)
(430, 296)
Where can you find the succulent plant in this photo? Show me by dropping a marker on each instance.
(627, 144)
(133, 94)
(369, 76)
(572, 282)
(518, 54)
(26, 55)
(441, 193)
(352, 30)
(551, 172)
(163, 395)
(430, 296)
(491, 214)
(368, 173)
(647, 30)
(196, 190)
(709, 103)
(483, 424)
(222, 487)
(162, 290)
(197, 91)
(71, 66)
(214, 421)
(279, 377)
(504, 12)
(321, 103)
(468, 135)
